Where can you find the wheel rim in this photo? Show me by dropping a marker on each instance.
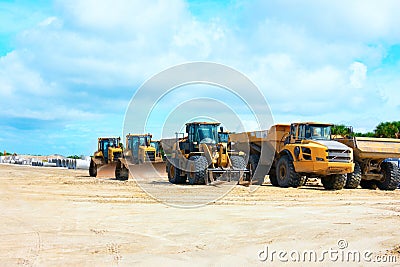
(282, 172)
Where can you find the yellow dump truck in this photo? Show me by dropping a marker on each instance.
(371, 170)
(138, 150)
(295, 152)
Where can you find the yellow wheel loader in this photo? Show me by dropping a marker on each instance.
(109, 150)
(201, 156)
(138, 151)
(371, 167)
(295, 152)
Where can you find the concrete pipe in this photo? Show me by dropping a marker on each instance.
(49, 164)
(70, 163)
(82, 164)
(74, 164)
(87, 158)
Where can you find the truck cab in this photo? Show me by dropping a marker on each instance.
(309, 131)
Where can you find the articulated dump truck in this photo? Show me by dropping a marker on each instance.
(371, 170)
(293, 153)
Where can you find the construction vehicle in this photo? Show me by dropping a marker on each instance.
(371, 168)
(138, 151)
(109, 150)
(202, 156)
(291, 153)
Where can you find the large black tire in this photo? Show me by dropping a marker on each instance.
(368, 184)
(272, 177)
(174, 174)
(238, 163)
(121, 172)
(334, 182)
(391, 175)
(354, 178)
(286, 174)
(92, 169)
(200, 174)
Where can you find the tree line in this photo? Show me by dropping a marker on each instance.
(383, 129)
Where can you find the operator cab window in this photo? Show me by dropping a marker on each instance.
(143, 141)
(302, 132)
(293, 134)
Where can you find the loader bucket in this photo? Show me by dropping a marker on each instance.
(149, 171)
(106, 171)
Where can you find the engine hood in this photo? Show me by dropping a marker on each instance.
(330, 144)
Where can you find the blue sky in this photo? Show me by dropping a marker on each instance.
(68, 69)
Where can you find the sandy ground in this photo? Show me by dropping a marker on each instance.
(57, 217)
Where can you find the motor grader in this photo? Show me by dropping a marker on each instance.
(371, 168)
(109, 150)
(138, 151)
(201, 156)
(292, 153)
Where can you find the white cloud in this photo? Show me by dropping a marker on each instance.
(355, 20)
(358, 74)
(18, 79)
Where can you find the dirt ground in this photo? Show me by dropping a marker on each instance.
(57, 217)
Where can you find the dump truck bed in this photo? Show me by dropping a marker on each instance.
(373, 148)
(275, 137)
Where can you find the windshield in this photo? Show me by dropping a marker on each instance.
(143, 141)
(223, 137)
(207, 134)
(106, 143)
(318, 132)
(155, 145)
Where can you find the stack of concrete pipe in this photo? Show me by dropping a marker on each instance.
(82, 164)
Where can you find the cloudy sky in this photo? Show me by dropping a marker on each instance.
(68, 69)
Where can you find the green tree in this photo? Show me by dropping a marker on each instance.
(74, 157)
(341, 129)
(388, 129)
(368, 134)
